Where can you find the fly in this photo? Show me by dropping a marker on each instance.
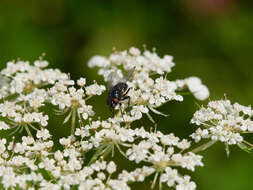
(118, 90)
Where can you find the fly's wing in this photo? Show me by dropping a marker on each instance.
(112, 79)
(128, 75)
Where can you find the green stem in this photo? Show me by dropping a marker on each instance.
(73, 121)
(203, 146)
(100, 150)
(108, 179)
(121, 151)
(249, 144)
(88, 97)
(154, 180)
(28, 131)
(108, 151)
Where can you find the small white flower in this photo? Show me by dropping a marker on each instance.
(2, 145)
(118, 185)
(43, 133)
(138, 110)
(101, 176)
(65, 141)
(81, 81)
(94, 89)
(134, 51)
(4, 126)
(58, 155)
(27, 140)
(170, 176)
(185, 183)
(184, 144)
(170, 139)
(98, 61)
(41, 63)
(111, 167)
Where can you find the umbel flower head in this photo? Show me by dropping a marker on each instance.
(225, 122)
(26, 88)
(150, 85)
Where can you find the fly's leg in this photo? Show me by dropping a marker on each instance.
(126, 91)
(121, 111)
(112, 110)
(126, 97)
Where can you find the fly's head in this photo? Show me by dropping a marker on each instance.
(112, 102)
(123, 88)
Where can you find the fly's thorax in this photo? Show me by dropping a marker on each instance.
(116, 93)
(122, 87)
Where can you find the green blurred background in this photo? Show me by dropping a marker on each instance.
(212, 39)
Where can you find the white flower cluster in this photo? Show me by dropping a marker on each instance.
(70, 97)
(26, 88)
(170, 176)
(160, 152)
(73, 100)
(32, 157)
(151, 87)
(18, 114)
(95, 89)
(24, 77)
(223, 121)
(24, 94)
